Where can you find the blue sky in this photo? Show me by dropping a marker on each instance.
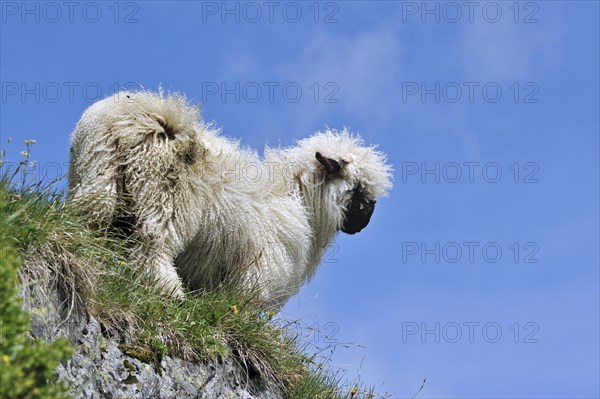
(454, 95)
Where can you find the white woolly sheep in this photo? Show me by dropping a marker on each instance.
(200, 208)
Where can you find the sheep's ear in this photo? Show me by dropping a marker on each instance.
(331, 165)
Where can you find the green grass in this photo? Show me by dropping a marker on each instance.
(27, 366)
(92, 267)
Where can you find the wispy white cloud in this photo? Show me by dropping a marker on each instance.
(510, 51)
(364, 65)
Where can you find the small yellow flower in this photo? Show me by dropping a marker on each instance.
(354, 391)
(5, 359)
(270, 314)
(235, 310)
(30, 142)
(122, 263)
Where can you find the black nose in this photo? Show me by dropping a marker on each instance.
(358, 214)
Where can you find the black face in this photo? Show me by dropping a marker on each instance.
(359, 212)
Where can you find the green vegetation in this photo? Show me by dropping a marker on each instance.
(41, 232)
(27, 366)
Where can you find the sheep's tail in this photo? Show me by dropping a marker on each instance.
(172, 112)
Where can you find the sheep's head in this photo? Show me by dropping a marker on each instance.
(357, 202)
(353, 176)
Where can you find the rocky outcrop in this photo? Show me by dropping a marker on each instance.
(104, 367)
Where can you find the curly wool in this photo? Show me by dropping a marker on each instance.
(201, 208)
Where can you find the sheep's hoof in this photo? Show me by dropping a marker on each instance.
(173, 291)
(178, 295)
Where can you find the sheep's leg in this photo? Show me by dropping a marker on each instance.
(94, 180)
(155, 253)
(152, 195)
(158, 268)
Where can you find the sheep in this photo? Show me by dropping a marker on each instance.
(201, 208)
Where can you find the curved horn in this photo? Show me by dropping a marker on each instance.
(331, 165)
